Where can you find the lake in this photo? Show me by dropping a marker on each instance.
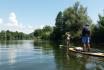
(43, 55)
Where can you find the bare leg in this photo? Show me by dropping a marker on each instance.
(84, 47)
(88, 47)
(68, 45)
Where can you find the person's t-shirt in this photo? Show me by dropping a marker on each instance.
(68, 36)
(85, 31)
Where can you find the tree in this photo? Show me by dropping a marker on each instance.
(43, 33)
(71, 20)
(47, 28)
(58, 29)
(98, 31)
(37, 33)
(46, 31)
(74, 19)
(9, 35)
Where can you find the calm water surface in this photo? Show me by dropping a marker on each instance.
(30, 55)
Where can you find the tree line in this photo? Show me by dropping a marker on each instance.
(72, 19)
(9, 35)
(43, 33)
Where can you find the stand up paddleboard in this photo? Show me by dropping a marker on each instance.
(97, 54)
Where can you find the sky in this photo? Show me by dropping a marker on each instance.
(28, 15)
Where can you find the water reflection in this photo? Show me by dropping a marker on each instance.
(0, 56)
(75, 61)
(72, 61)
(93, 63)
(26, 55)
(64, 62)
(11, 55)
(45, 46)
(10, 42)
(89, 62)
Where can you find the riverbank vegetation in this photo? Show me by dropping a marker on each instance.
(72, 20)
(43, 33)
(9, 35)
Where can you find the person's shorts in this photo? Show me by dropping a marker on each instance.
(85, 39)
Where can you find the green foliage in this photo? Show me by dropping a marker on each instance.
(8, 35)
(43, 33)
(98, 31)
(58, 29)
(71, 20)
(101, 22)
(74, 18)
(38, 33)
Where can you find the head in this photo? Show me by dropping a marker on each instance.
(86, 25)
(67, 32)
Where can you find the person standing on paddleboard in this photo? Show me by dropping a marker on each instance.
(86, 38)
(68, 37)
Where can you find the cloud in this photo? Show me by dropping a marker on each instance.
(13, 20)
(14, 25)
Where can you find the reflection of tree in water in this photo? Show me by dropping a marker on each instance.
(64, 62)
(91, 63)
(69, 62)
(83, 62)
(94, 63)
(45, 46)
(11, 42)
